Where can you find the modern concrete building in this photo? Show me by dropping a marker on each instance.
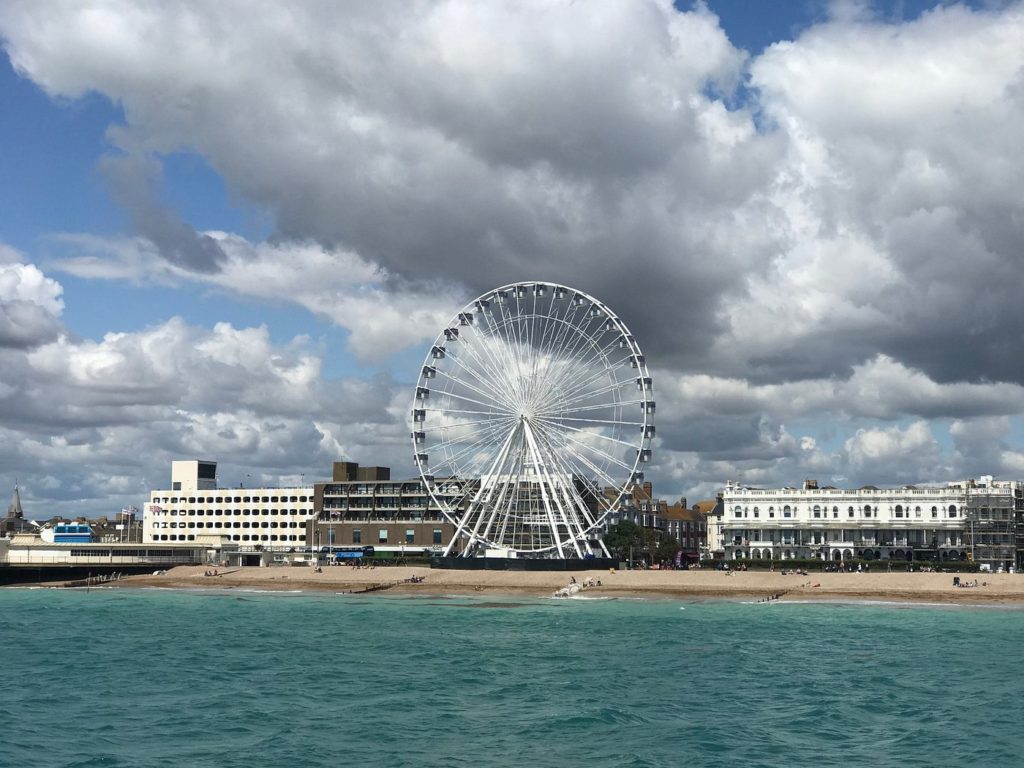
(973, 519)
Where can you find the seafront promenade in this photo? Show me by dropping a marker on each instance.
(698, 583)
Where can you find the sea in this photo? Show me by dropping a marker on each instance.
(136, 678)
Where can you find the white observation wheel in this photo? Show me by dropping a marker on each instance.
(533, 414)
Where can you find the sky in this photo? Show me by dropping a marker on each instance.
(231, 230)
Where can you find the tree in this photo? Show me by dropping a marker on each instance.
(666, 549)
(623, 535)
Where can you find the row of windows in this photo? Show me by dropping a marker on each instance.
(226, 512)
(378, 503)
(818, 513)
(123, 553)
(235, 537)
(878, 539)
(236, 524)
(382, 536)
(230, 499)
(386, 489)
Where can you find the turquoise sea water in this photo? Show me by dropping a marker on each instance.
(162, 678)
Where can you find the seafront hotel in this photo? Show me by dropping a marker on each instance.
(974, 520)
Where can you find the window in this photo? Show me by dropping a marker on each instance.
(437, 536)
(176, 486)
(817, 511)
(738, 511)
(835, 511)
(786, 512)
(410, 535)
(757, 512)
(771, 511)
(952, 510)
(917, 511)
(382, 536)
(899, 510)
(867, 510)
(357, 536)
(935, 512)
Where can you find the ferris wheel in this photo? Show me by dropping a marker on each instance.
(533, 415)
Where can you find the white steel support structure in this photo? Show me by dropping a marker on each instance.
(534, 398)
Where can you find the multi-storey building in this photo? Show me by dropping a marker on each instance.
(687, 526)
(962, 520)
(990, 521)
(714, 516)
(195, 507)
(363, 506)
(637, 506)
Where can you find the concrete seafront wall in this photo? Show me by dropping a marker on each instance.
(37, 574)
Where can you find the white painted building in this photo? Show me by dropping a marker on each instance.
(195, 507)
(912, 522)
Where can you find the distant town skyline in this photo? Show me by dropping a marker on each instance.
(230, 231)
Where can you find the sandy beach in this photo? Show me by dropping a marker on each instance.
(700, 583)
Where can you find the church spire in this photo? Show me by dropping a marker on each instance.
(14, 509)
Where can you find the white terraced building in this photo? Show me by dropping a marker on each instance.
(973, 519)
(195, 507)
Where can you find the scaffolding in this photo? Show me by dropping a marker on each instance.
(990, 527)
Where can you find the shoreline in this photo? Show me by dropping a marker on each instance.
(992, 589)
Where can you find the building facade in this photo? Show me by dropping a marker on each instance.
(688, 527)
(969, 520)
(195, 507)
(685, 525)
(362, 506)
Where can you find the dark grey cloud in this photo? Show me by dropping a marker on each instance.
(134, 184)
(30, 304)
(25, 324)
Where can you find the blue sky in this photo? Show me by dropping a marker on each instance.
(780, 232)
